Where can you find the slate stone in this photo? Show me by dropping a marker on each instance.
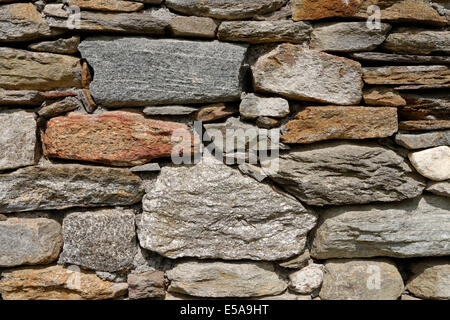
(163, 71)
(418, 227)
(418, 41)
(342, 173)
(423, 140)
(65, 186)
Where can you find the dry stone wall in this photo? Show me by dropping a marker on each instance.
(257, 149)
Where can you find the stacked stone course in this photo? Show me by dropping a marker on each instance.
(92, 207)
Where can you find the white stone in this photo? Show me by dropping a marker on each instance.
(432, 163)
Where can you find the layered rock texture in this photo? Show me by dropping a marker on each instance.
(224, 149)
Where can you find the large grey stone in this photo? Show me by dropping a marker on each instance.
(302, 74)
(346, 173)
(29, 241)
(361, 280)
(65, 186)
(225, 279)
(213, 211)
(413, 228)
(17, 139)
(423, 140)
(103, 240)
(264, 31)
(430, 279)
(225, 9)
(347, 36)
(142, 71)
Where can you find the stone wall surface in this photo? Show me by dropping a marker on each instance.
(210, 149)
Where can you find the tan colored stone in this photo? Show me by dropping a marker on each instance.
(213, 112)
(22, 22)
(314, 10)
(333, 122)
(56, 283)
(117, 138)
(38, 71)
(201, 27)
(382, 96)
(422, 75)
(424, 125)
(418, 41)
(146, 285)
(357, 279)
(433, 163)
(430, 279)
(107, 5)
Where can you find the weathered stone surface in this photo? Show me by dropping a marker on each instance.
(110, 5)
(391, 10)
(200, 27)
(213, 211)
(56, 283)
(225, 279)
(430, 279)
(59, 107)
(418, 41)
(17, 139)
(213, 112)
(225, 9)
(315, 10)
(413, 228)
(428, 75)
(64, 46)
(264, 31)
(425, 106)
(38, 71)
(323, 123)
(432, 163)
(403, 58)
(22, 22)
(440, 188)
(423, 140)
(424, 125)
(361, 280)
(347, 36)
(283, 13)
(65, 186)
(383, 96)
(118, 138)
(307, 279)
(301, 74)
(346, 172)
(146, 285)
(29, 241)
(102, 240)
(237, 136)
(253, 106)
(20, 97)
(179, 71)
(130, 23)
(169, 111)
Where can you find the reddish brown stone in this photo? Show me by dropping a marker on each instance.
(117, 138)
(213, 112)
(58, 94)
(332, 122)
(381, 96)
(86, 77)
(314, 10)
